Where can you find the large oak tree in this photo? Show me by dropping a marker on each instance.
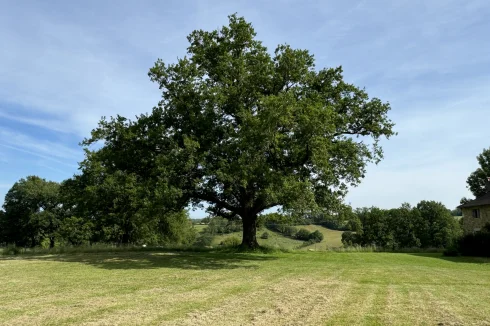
(244, 130)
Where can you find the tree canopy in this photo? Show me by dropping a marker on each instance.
(478, 179)
(31, 212)
(244, 130)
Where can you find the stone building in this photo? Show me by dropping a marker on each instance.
(476, 213)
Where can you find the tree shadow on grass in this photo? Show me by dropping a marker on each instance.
(153, 260)
(454, 259)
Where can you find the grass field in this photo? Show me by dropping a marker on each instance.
(217, 288)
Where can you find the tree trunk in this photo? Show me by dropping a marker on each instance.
(249, 240)
(125, 239)
(51, 243)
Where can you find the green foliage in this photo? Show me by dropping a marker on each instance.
(75, 231)
(441, 229)
(477, 244)
(427, 225)
(243, 130)
(303, 234)
(315, 236)
(32, 212)
(265, 235)
(452, 251)
(206, 220)
(477, 181)
(349, 239)
(86, 209)
(11, 250)
(232, 241)
(456, 212)
(220, 225)
(204, 240)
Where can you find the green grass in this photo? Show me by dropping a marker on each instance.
(219, 288)
(275, 240)
(200, 227)
(332, 238)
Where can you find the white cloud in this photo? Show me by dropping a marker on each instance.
(54, 151)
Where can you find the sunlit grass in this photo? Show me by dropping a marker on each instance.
(331, 238)
(219, 288)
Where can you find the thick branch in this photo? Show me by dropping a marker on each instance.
(212, 198)
(362, 132)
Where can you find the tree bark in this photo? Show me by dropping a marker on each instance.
(51, 242)
(249, 240)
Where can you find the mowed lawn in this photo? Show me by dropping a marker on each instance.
(216, 288)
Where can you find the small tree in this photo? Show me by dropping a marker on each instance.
(303, 234)
(32, 212)
(316, 236)
(478, 179)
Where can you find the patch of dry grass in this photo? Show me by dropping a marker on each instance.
(217, 288)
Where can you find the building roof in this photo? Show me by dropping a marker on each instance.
(480, 201)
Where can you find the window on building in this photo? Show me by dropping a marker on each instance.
(476, 213)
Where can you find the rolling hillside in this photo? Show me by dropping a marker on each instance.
(332, 238)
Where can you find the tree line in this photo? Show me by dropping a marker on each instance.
(429, 224)
(46, 213)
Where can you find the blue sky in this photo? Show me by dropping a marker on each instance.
(64, 64)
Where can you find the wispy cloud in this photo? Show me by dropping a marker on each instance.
(67, 65)
(45, 149)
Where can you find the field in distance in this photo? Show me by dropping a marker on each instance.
(331, 238)
(218, 288)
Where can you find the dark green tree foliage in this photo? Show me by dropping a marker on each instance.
(315, 236)
(32, 212)
(478, 179)
(303, 234)
(440, 227)
(120, 206)
(375, 227)
(2, 227)
(405, 224)
(477, 244)
(88, 208)
(244, 130)
(75, 231)
(429, 224)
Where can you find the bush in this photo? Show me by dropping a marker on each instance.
(204, 240)
(477, 244)
(452, 251)
(265, 235)
(316, 237)
(348, 238)
(11, 250)
(232, 241)
(303, 234)
(290, 231)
